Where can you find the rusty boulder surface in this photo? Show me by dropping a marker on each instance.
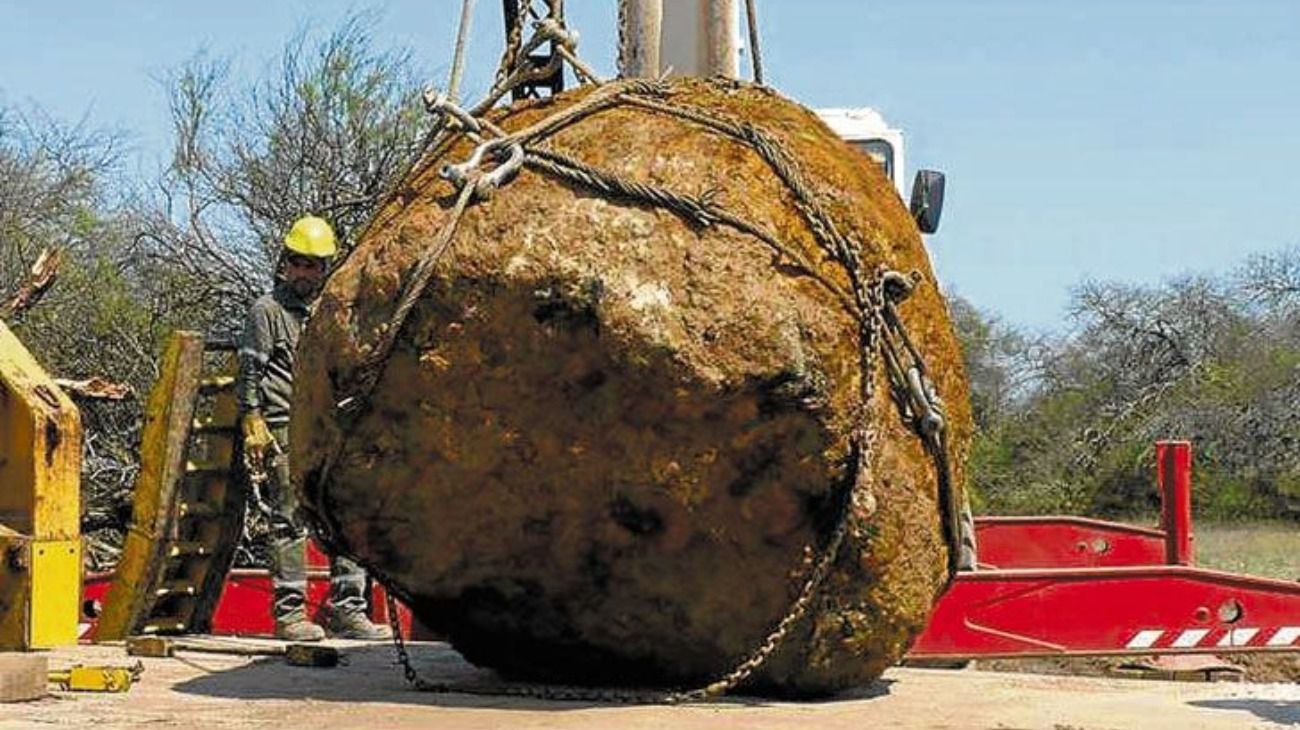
(608, 441)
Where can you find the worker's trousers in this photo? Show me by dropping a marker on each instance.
(288, 543)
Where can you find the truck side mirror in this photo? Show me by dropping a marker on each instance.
(927, 199)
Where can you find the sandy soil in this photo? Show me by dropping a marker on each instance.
(203, 690)
(1258, 668)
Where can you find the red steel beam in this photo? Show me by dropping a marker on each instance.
(1113, 611)
(1174, 474)
(991, 614)
(1065, 542)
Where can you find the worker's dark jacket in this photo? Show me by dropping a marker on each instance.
(266, 353)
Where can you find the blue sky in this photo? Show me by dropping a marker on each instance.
(1115, 140)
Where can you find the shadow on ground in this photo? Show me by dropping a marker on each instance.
(1279, 711)
(371, 674)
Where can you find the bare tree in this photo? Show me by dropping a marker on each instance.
(328, 131)
(1002, 361)
(329, 134)
(1214, 359)
(1270, 278)
(50, 183)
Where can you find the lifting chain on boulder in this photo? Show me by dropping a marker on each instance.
(874, 303)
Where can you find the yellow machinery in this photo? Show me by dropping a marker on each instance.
(40, 505)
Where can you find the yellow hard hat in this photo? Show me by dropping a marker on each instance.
(311, 236)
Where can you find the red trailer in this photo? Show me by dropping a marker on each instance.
(1062, 586)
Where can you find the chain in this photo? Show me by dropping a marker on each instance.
(917, 399)
(399, 646)
(510, 54)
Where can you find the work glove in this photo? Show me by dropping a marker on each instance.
(257, 439)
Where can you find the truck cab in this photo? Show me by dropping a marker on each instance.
(867, 130)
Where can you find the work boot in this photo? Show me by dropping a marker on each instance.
(356, 625)
(298, 630)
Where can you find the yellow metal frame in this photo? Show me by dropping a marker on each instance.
(40, 505)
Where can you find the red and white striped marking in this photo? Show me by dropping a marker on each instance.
(1269, 636)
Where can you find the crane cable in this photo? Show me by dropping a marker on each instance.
(755, 52)
(458, 56)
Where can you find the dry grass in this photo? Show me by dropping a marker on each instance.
(1269, 549)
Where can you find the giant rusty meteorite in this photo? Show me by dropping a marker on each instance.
(611, 441)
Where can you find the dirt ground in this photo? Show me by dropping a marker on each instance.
(1257, 668)
(205, 690)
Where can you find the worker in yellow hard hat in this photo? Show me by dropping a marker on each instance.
(309, 246)
(266, 368)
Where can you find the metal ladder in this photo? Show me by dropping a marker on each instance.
(188, 506)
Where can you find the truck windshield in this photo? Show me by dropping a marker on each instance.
(880, 151)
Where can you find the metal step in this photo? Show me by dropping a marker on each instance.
(216, 384)
(208, 427)
(164, 625)
(210, 345)
(205, 467)
(176, 588)
(187, 549)
(197, 509)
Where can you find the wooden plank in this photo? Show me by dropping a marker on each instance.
(23, 677)
(168, 415)
(298, 655)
